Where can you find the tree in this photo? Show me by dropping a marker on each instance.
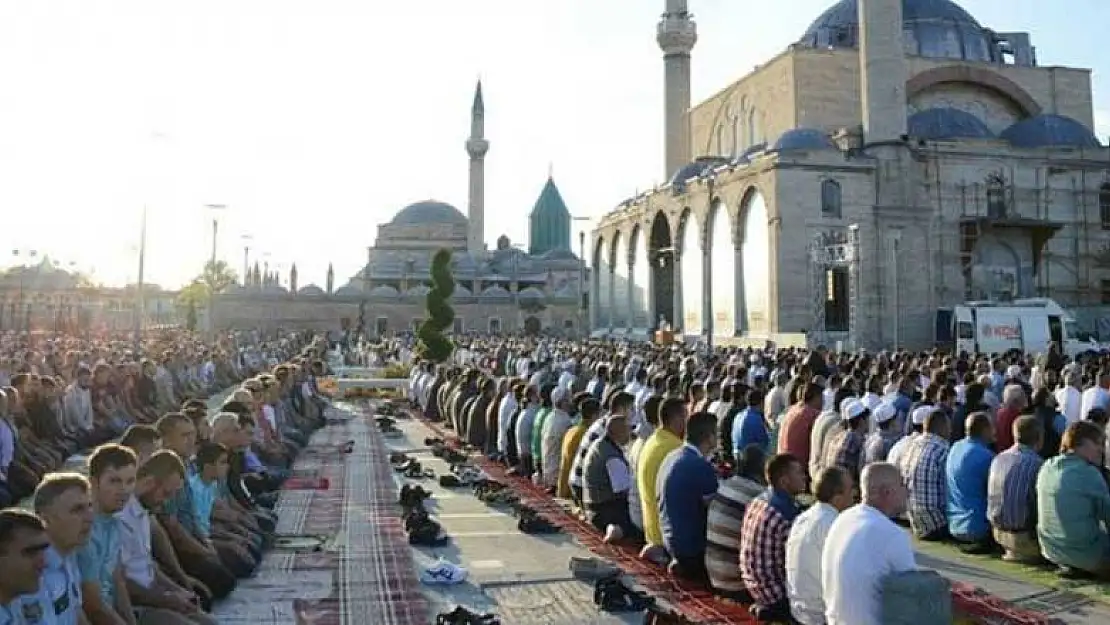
(191, 316)
(433, 342)
(215, 278)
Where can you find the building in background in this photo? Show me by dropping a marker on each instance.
(897, 159)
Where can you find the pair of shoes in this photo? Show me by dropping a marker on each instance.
(396, 457)
(454, 457)
(499, 498)
(433, 442)
(412, 496)
(532, 523)
(657, 615)
(611, 595)
(592, 569)
(415, 471)
(384, 422)
(462, 616)
(444, 573)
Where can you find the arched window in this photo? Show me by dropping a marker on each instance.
(830, 199)
(720, 139)
(996, 198)
(1104, 205)
(735, 135)
(751, 128)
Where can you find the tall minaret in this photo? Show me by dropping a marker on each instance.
(476, 147)
(882, 59)
(676, 35)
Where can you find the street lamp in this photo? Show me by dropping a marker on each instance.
(246, 238)
(216, 209)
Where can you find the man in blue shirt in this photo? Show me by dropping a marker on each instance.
(64, 503)
(685, 484)
(967, 474)
(750, 427)
(23, 546)
(103, 586)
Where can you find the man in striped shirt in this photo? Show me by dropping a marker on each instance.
(1011, 492)
(725, 518)
(923, 468)
(764, 533)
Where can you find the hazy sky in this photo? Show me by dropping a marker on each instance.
(316, 120)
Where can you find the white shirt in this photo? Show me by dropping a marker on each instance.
(555, 426)
(803, 563)
(1070, 401)
(863, 546)
(899, 448)
(1094, 397)
(134, 537)
(504, 418)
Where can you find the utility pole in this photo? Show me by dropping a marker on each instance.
(140, 303)
(215, 208)
(246, 256)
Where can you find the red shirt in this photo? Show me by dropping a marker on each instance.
(1004, 428)
(794, 434)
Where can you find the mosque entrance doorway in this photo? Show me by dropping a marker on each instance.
(661, 253)
(532, 326)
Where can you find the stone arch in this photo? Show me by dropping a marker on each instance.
(619, 268)
(661, 255)
(976, 76)
(755, 261)
(722, 265)
(600, 292)
(640, 282)
(691, 263)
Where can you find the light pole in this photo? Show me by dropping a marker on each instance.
(246, 238)
(140, 301)
(215, 208)
(23, 259)
(582, 312)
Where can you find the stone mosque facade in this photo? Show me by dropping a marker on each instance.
(898, 159)
(507, 289)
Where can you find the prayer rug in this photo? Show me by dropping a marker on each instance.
(364, 573)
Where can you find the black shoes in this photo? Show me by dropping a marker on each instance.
(412, 496)
(532, 523)
(611, 595)
(462, 616)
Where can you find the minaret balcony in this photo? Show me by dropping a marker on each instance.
(676, 34)
(477, 148)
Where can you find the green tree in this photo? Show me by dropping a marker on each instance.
(215, 278)
(191, 316)
(433, 342)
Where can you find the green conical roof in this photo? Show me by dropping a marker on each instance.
(549, 222)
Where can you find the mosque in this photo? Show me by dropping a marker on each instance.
(899, 158)
(539, 289)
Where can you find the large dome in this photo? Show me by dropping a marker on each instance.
(933, 28)
(429, 211)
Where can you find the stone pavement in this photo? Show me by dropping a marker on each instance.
(522, 578)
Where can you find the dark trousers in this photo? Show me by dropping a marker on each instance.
(778, 612)
(693, 568)
(210, 571)
(616, 513)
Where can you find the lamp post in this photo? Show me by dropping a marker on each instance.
(140, 301)
(583, 317)
(216, 209)
(246, 238)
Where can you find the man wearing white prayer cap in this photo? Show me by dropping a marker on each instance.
(885, 436)
(917, 418)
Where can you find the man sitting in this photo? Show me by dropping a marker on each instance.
(63, 503)
(836, 491)
(923, 468)
(763, 538)
(667, 438)
(1012, 493)
(606, 479)
(968, 470)
(103, 584)
(1073, 504)
(687, 481)
(725, 519)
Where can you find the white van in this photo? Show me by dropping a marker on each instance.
(1028, 325)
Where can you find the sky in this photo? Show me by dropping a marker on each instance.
(313, 122)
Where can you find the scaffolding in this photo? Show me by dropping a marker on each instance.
(830, 249)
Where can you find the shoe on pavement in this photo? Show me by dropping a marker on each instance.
(444, 573)
(462, 616)
(592, 569)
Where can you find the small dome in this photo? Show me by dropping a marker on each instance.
(752, 151)
(567, 292)
(1050, 131)
(348, 290)
(947, 123)
(700, 166)
(495, 291)
(274, 289)
(461, 291)
(531, 293)
(559, 254)
(310, 290)
(419, 290)
(384, 290)
(429, 212)
(803, 139)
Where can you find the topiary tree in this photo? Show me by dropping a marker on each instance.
(434, 345)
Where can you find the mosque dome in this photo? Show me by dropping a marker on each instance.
(933, 28)
(420, 290)
(698, 167)
(348, 290)
(496, 291)
(803, 139)
(461, 291)
(947, 123)
(531, 293)
(310, 290)
(429, 211)
(384, 290)
(1044, 131)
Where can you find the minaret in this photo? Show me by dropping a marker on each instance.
(476, 147)
(882, 59)
(676, 35)
(330, 279)
(293, 279)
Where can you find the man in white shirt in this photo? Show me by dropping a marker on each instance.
(1070, 397)
(1097, 396)
(551, 442)
(836, 491)
(864, 546)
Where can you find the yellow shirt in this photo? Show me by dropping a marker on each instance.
(571, 440)
(656, 448)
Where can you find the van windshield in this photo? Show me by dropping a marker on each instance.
(965, 331)
(1071, 330)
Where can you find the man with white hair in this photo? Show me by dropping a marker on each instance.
(1070, 396)
(555, 427)
(864, 546)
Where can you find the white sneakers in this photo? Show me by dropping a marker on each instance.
(444, 573)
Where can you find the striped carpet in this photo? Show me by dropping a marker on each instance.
(365, 571)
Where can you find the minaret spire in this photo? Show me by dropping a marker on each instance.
(676, 35)
(476, 147)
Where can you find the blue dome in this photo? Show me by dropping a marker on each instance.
(934, 28)
(429, 211)
(947, 123)
(700, 165)
(1045, 131)
(803, 139)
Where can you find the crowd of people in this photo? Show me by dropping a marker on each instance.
(168, 506)
(780, 478)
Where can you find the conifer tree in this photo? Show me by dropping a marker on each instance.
(433, 342)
